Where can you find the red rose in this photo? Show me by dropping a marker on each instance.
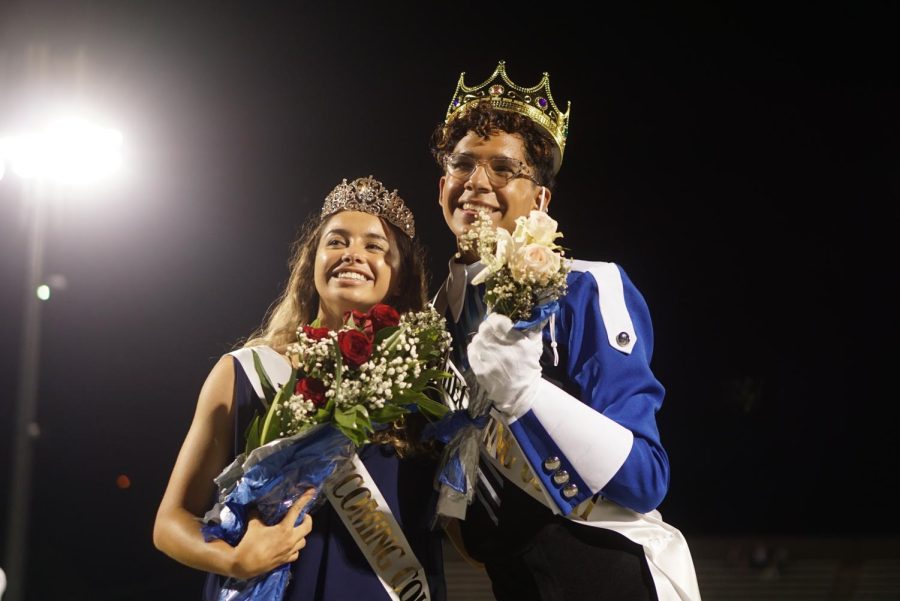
(312, 390)
(315, 333)
(355, 346)
(361, 320)
(384, 316)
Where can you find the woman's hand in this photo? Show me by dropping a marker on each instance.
(264, 548)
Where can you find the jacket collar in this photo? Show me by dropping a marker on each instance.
(459, 276)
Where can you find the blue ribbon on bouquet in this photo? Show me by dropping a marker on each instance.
(539, 314)
(270, 480)
(452, 473)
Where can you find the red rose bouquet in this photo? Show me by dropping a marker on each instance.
(343, 386)
(372, 371)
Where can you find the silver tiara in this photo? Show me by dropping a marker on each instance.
(368, 195)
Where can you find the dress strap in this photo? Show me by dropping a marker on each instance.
(274, 363)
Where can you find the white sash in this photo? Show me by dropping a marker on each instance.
(355, 497)
(665, 548)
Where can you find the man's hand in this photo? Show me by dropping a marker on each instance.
(506, 364)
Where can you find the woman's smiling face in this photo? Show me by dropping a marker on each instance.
(354, 264)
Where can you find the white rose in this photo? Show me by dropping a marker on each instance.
(504, 247)
(520, 234)
(534, 262)
(500, 257)
(541, 227)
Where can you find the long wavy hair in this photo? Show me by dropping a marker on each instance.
(485, 120)
(298, 305)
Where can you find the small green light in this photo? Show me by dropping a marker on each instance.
(43, 292)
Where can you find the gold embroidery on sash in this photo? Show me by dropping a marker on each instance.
(588, 507)
(378, 537)
(500, 445)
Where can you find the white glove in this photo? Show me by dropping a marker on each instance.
(506, 364)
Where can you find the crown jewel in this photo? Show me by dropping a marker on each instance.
(368, 195)
(535, 102)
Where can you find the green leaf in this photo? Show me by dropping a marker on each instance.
(352, 416)
(268, 389)
(426, 405)
(357, 437)
(428, 375)
(252, 435)
(323, 414)
(383, 334)
(345, 418)
(392, 340)
(277, 422)
(364, 421)
(354, 422)
(338, 366)
(388, 413)
(433, 408)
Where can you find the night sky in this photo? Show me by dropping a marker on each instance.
(734, 161)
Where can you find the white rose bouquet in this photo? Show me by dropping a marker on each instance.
(525, 272)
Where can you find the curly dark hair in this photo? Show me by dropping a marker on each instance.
(484, 120)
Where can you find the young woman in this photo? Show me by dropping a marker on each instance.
(358, 252)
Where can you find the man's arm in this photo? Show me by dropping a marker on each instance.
(603, 437)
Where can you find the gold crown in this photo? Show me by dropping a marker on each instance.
(368, 195)
(535, 102)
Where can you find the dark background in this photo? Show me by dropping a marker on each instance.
(735, 161)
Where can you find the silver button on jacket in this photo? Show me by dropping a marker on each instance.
(561, 477)
(570, 491)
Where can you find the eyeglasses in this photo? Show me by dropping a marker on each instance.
(500, 170)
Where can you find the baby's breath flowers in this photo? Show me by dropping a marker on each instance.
(377, 368)
(523, 270)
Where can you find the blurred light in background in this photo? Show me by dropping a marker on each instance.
(68, 151)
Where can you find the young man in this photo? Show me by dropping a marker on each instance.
(571, 466)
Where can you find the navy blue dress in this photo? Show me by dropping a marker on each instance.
(331, 566)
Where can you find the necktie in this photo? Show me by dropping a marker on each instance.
(470, 318)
